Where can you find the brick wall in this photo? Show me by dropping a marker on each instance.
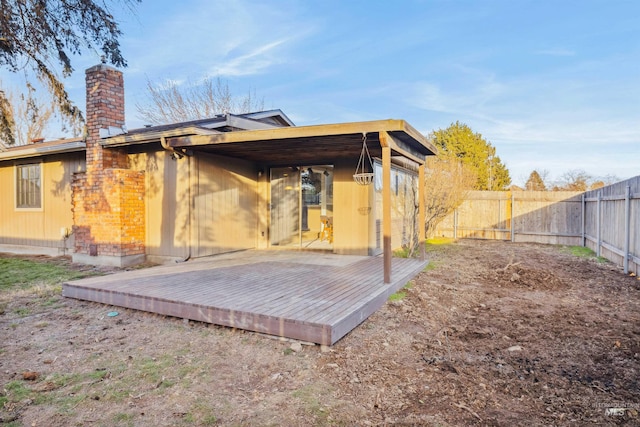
(108, 199)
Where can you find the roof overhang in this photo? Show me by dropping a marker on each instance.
(154, 136)
(42, 149)
(316, 144)
(238, 122)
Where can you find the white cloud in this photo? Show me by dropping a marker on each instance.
(253, 62)
(211, 38)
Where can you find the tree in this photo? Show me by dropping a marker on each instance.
(574, 180)
(6, 121)
(33, 34)
(535, 182)
(30, 115)
(476, 153)
(447, 181)
(173, 103)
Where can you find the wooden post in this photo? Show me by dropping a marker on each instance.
(455, 223)
(386, 204)
(627, 228)
(584, 220)
(598, 228)
(511, 221)
(421, 212)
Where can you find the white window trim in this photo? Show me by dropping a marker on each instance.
(15, 187)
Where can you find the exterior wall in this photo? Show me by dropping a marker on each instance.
(404, 208)
(225, 205)
(39, 227)
(197, 206)
(352, 212)
(264, 189)
(166, 203)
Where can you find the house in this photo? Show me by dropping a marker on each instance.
(35, 194)
(205, 187)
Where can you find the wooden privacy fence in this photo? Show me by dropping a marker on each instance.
(605, 220)
(612, 223)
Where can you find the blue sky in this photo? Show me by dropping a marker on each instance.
(553, 85)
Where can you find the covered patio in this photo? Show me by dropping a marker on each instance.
(310, 296)
(356, 225)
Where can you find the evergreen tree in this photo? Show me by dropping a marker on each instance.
(459, 141)
(535, 182)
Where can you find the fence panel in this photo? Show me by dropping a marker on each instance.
(606, 220)
(547, 217)
(612, 226)
(538, 216)
(484, 215)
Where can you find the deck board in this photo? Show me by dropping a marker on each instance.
(316, 298)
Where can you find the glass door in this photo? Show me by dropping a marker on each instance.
(302, 207)
(285, 202)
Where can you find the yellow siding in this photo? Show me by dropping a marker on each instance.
(263, 195)
(225, 205)
(166, 203)
(198, 206)
(352, 212)
(39, 227)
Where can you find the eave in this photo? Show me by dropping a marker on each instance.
(154, 136)
(310, 144)
(43, 149)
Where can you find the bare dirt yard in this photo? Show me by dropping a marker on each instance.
(492, 333)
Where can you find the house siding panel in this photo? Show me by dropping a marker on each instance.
(352, 216)
(166, 203)
(219, 194)
(225, 200)
(39, 227)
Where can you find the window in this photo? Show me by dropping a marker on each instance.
(28, 186)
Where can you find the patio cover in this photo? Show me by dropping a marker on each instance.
(391, 140)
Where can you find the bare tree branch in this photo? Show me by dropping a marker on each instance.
(173, 103)
(31, 116)
(447, 182)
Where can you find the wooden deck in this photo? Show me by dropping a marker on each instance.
(307, 296)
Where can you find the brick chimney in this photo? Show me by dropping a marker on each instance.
(105, 108)
(108, 199)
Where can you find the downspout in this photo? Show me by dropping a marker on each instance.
(176, 155)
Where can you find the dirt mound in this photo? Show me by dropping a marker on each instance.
(531, 278)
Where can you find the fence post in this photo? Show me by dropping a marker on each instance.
(513, 231)
(584, 220)
(627, 227)
(455, 224)
(598, 214)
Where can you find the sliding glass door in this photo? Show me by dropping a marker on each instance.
(302, 207)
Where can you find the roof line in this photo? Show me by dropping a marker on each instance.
(139, 138)
(389, 125)
(35, 150)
